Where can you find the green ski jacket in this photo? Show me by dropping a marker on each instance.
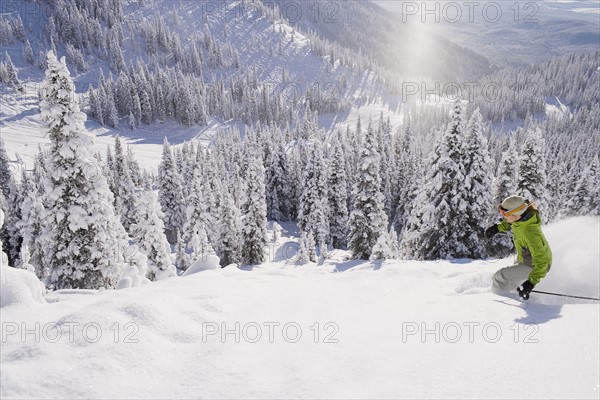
(531, 244)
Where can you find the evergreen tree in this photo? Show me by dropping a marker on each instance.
(28, 52)
(506, 177)
(230, 232)
(307, 252)
(585, 198)
(435, 226)
(11, 234)
(111, 117)
(148, 231)
(6, 177)
(406, 176)
(31, 225)
(131, 121)
(254, 212)
(338, 195)
(146, 106)
(183, 259)
(532, 170)
(478, 187)
(134, 168)
(386, 153)
(125, 194)
(82, 234)
(384, 247)
(506, 182)
(368, 220)
(123, 95)
(12, 77)
(95, 105)
(198, 219)
(170, 193)
(279, 201)
(313, 212)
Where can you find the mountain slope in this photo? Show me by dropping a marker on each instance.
(370, 340)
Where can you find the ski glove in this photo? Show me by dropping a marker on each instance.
(524, 290)
(491, 231)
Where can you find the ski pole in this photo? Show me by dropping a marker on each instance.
(566, 295)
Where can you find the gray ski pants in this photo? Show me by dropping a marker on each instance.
(510, 278)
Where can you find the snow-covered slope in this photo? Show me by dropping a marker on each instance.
(280, 57)
(338, 330)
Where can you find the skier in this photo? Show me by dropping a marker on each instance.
(533, 253)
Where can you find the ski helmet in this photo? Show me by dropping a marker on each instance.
(513, 205)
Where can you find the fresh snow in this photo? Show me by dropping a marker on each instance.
(164, 340)
(19, 286)
(207, 262)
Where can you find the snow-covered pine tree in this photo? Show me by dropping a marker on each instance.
(31, 224)
(147, 116)
(123, 94)
(12, 77)
(183, 258)
(198, 220)
(10, 232)
(147, 229)
(382, 250)
(28, 52)
(254, 211)
(279, 202)
(506, 177)
(307, 251)
(434, 229)
(134, 168)
(125, 195)
(353, 143)
(82, 235)
(313, 213)
(5, 170)
(368, 220)
(585, 198)
(505, 186)
(170, 194)
(230, 241)
(337, 182)
(406, 177)
(95, 105)
(136, 107)
(213, 187)
(478, 187)
(559, 181)
(532, 170)
(386, 153)
(7, 186)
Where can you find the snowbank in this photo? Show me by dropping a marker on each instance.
(134, 275)
(205, 263)
(18, 286)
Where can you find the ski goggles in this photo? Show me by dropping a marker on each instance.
(506, 213)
